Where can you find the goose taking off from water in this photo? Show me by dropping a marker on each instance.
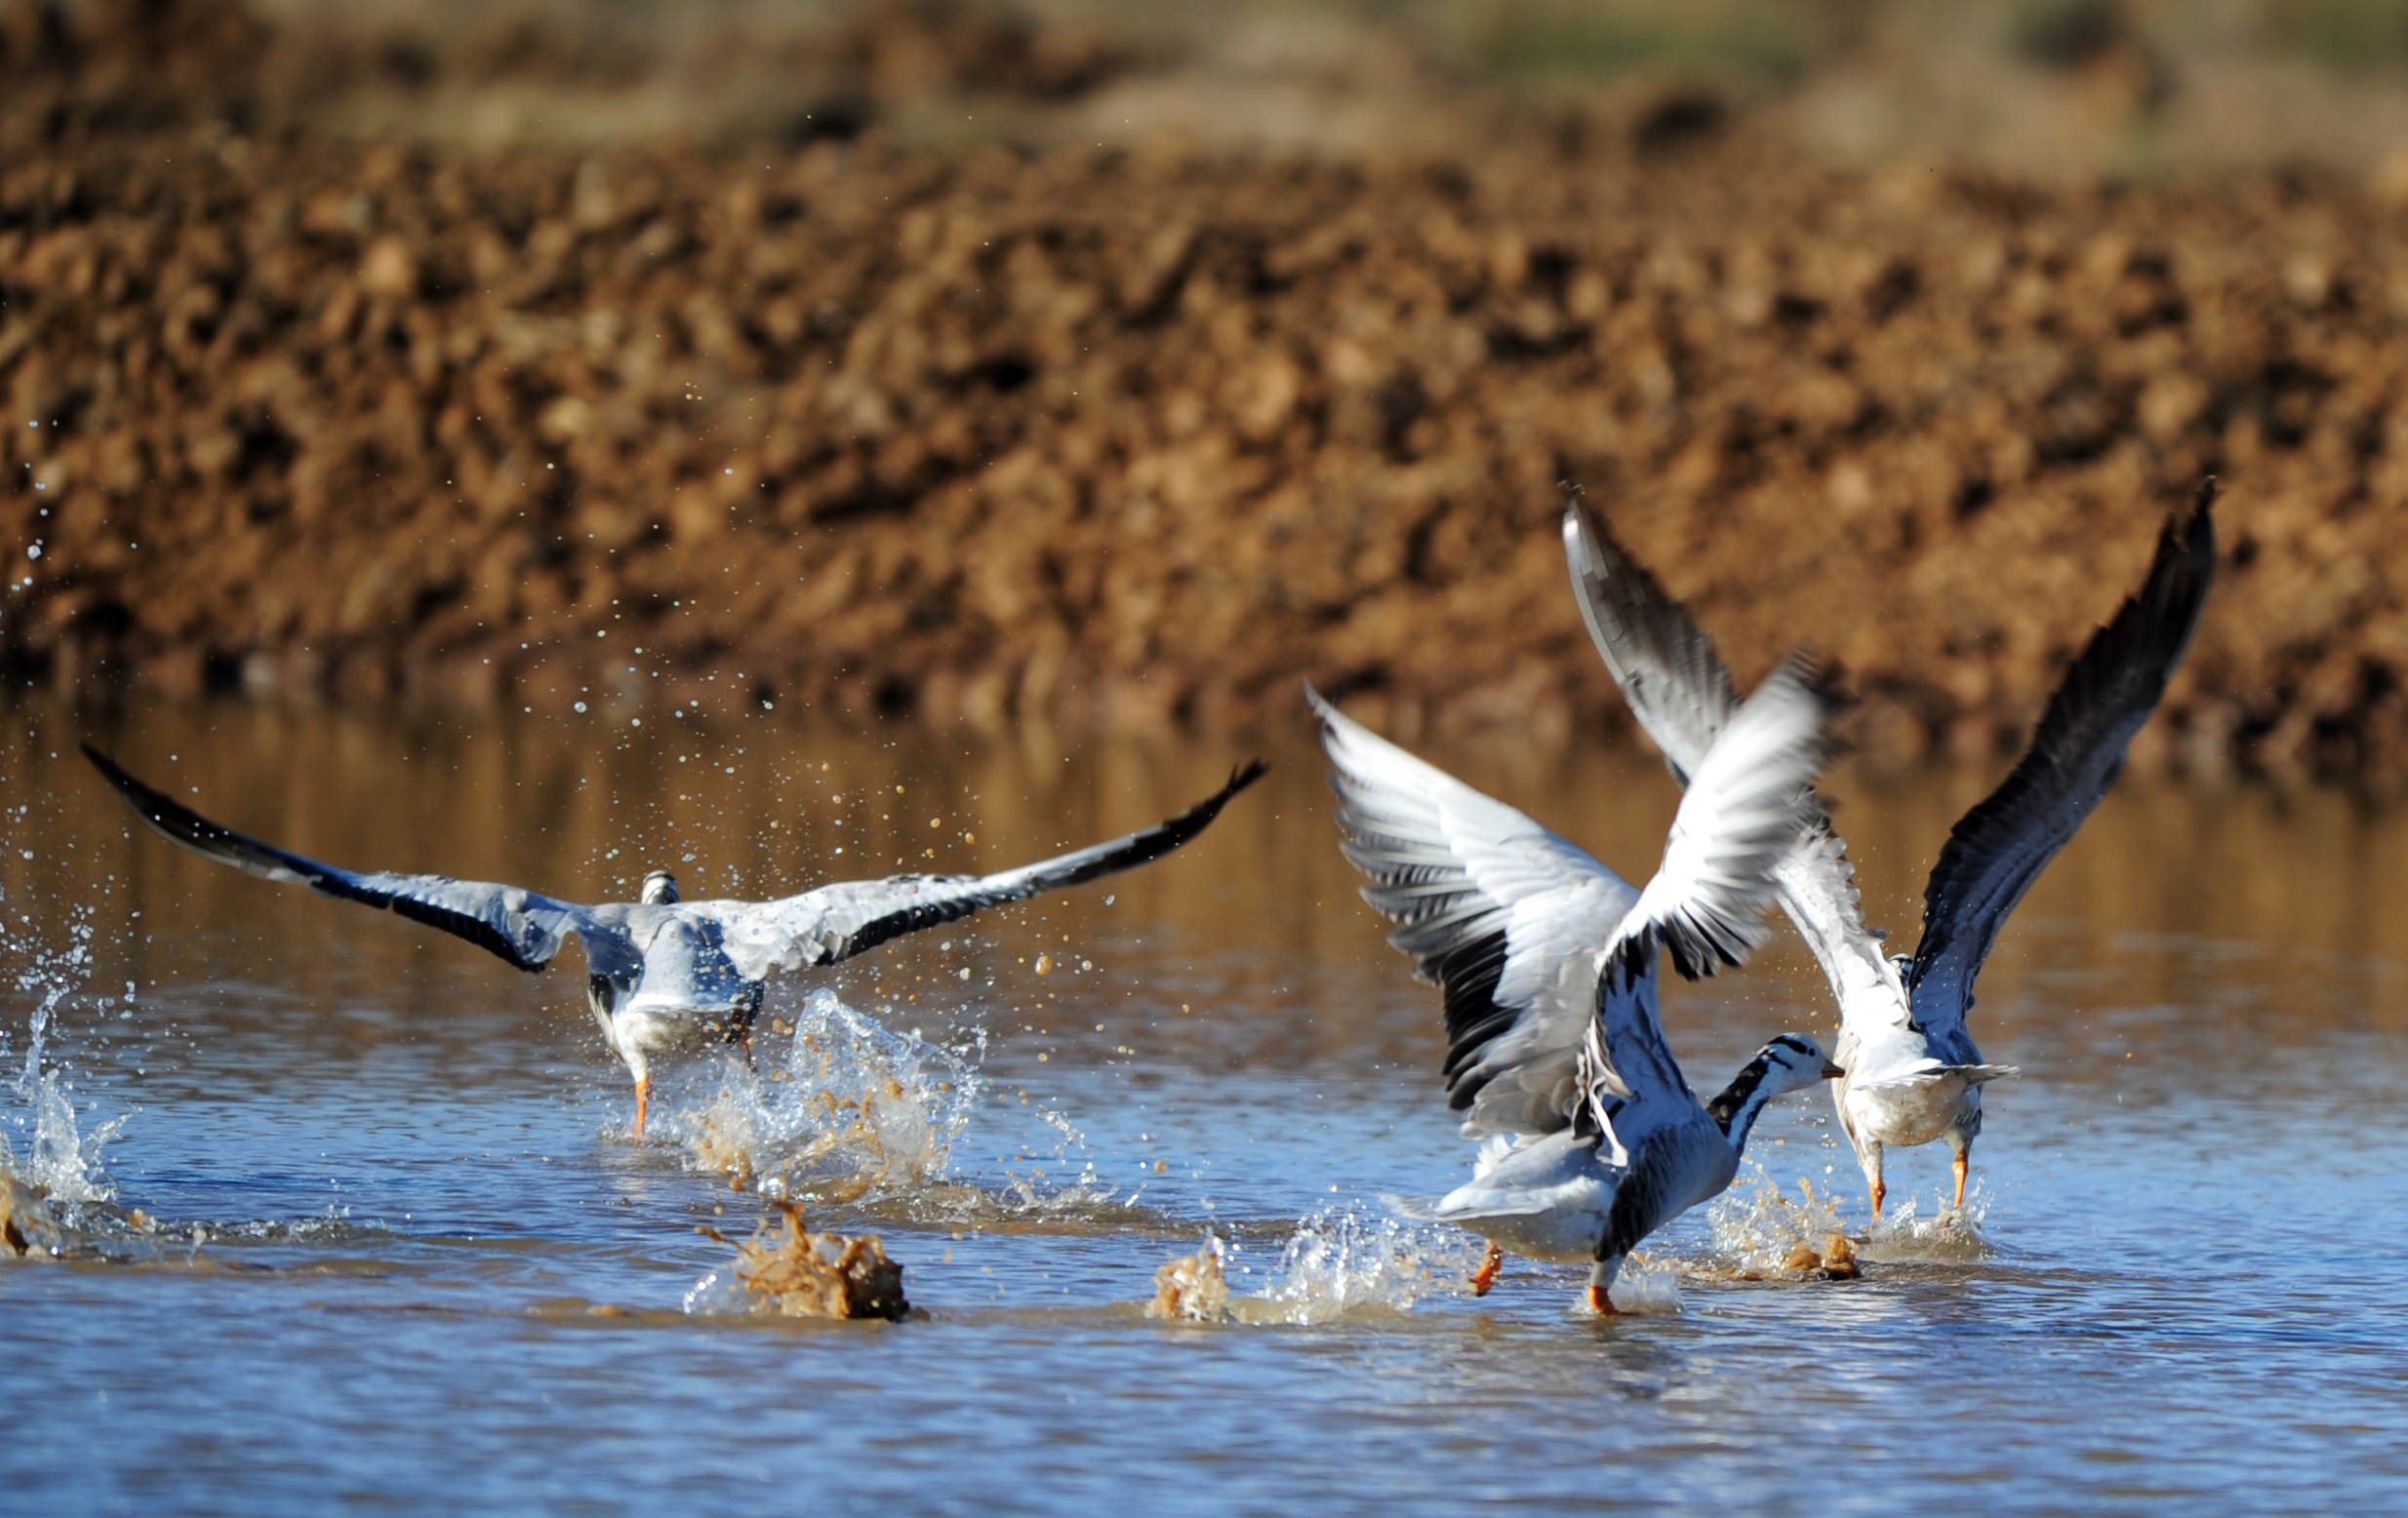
(660, 971)
(1913, 1072)
(1546, 961)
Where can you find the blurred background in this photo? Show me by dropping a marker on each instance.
(1122, 365)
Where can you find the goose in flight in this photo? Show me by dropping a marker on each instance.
(1913, 1072)
(661, 971)
(1546, 961)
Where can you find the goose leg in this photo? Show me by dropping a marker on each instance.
(1600, 1281)
(1486, 1276)
(643, 1103)
(1870, 1156)
(1963, 1154)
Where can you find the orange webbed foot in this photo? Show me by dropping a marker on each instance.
(1486, 1276)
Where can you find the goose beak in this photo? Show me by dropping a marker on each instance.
(1830, 1071)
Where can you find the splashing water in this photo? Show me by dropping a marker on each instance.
(1647, 1284)
(1950, 1236)
(854, 1108)
(1340, 1264)
(1760, 1233)
(63, 1162)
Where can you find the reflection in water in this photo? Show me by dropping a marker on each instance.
(393, 1194)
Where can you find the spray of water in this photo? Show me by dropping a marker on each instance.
(1950, 1236)
(1761, 1234)
(58, 1163)
(1336, 1265)
(852, 1109)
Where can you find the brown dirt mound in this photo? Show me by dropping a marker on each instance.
(1140, 437)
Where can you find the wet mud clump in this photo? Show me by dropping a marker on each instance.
(26, 1224)
(794, 1273)
(1192, 1288)
(1140, 436)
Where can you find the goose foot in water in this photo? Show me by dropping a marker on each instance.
(1959, 1203)
(1486, 1276)
(1601, 1304)
(643, 1103)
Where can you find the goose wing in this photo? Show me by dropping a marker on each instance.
(1679, 688)
(838, 921)
(1681, 693)
(1999, 847)
(520, 926)
(1506, 918)
(1704, 906)
(1512, 922)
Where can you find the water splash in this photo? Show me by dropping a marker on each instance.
(61, 1162)
(1647, 1284)
(1760, 1234)
(854, 1108)
(1339, 1264)
(1951, 1235)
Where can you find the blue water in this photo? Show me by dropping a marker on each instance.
(402, 1254)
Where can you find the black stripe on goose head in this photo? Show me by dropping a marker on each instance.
(1734, 1097)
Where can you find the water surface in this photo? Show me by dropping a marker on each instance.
(402, 1254)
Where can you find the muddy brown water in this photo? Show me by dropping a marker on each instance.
(396, 1249)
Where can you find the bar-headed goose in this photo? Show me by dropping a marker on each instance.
(1546, 961)
(1913, 1072)
(660, 971)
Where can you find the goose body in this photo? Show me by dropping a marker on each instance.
(1547, 964)
(664, 973)
(1914, 1074)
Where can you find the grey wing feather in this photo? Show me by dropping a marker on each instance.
(2001, 847)
(1504, 917)
(1677, 687)
(1739, 817)
(836, 921)
(1682, 694)
(520, 926)
(1737, 822)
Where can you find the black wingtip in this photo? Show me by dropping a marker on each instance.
(147, 802)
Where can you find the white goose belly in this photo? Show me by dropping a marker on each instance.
(1542, 1199)
(1908, 1110)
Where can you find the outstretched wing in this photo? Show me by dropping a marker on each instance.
(1504, 917)
(2001, 847)
(1739, 819)
(838, 921)
(1678, 689)
(1682, 694)
(522, 927)
(1742, 814)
